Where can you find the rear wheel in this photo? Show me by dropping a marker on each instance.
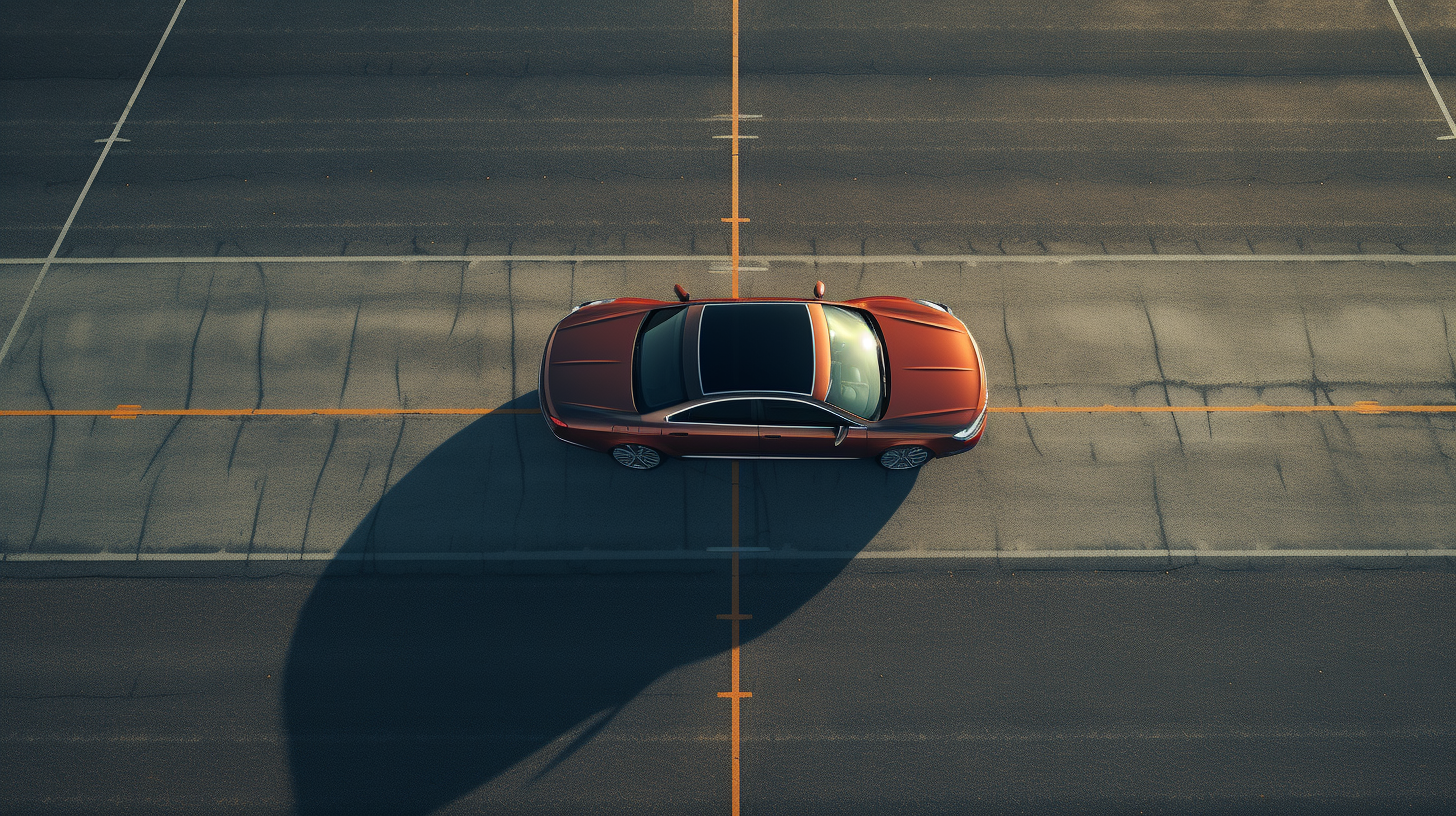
(637, 457)
(908, 457)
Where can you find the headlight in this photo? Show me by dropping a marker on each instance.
(932, 304)
(594, 303)
(972, 430)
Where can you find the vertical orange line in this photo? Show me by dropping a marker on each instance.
(737, 698)
(735, 222)
(734, 516)
(735, 618)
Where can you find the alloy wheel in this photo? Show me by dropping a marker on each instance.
(906, 458)
(637, 457)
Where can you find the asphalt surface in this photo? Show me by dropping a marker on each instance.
(897, 690)
(449, 335)
(341, 135)
(1098, 190)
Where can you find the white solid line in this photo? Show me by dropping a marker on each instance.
(1431, 82)
(972, 260)
(105, 151)
(689, 555)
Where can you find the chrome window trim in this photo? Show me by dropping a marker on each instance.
(815, 403)
(669, 417)
(733, 456)
(849, 422)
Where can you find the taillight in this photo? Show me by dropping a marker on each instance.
(558, 423)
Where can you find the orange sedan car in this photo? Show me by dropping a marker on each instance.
(892, 378)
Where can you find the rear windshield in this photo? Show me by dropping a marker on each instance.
(658, 367)
(855, 374)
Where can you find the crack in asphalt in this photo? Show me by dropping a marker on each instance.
(459, 300)
(1346, 490)
(257, 513)
(147, 510)
(197, 333)
(165, 439)
(372, 522)
(1016, 380)
(1162, 377)
(262, 331)
(233, 451)
(349, 358)
(313, 497)
(515, 421)
(1318, 386)
(1158, 509)
(1450, 358)
(45, 488)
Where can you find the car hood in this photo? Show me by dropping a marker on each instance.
(935, 370)
(589, 358)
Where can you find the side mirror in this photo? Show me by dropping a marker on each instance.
(682, 294)
(819, 292)
(842, 432)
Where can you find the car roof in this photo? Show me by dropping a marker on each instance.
(756, 346)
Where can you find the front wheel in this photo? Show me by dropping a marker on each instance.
(637, 457)
(908, 457)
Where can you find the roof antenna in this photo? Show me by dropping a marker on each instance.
(818, 290)
(682, 294)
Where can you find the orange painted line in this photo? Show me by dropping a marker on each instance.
(132, 412)
(1358, 407)
(735, 618)
(736, 223)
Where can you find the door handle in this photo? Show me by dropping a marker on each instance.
(772, 436)
(677, 433)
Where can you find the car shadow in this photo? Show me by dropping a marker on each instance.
(402, 692)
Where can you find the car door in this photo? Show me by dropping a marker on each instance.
(792, 428)
(722, 428)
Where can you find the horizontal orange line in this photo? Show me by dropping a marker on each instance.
(1359, 408)
(127, 412)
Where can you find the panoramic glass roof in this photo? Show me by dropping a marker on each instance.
(756, 347)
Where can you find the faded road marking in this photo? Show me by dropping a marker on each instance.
(105, 151)
(1426, 71)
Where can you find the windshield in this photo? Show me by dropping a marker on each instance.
(659, 365)
(854, 363)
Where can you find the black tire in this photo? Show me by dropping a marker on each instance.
(636, 457)
(905, 457)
